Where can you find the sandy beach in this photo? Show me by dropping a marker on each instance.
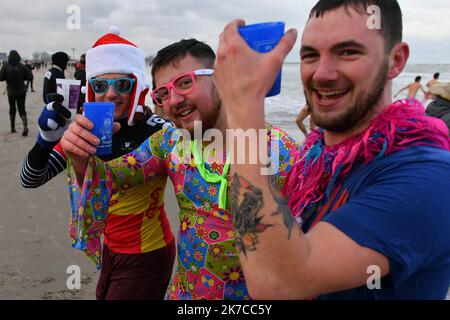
(35, 249)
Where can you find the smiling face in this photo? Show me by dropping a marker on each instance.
(201, 104)
(344, 70)
(121, 100)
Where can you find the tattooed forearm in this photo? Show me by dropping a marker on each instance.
(246, 203)
(283, 208)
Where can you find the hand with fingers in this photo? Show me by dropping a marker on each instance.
(243, 76)
(53, 121)
(79, 143)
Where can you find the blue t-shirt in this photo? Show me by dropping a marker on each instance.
(400, 207)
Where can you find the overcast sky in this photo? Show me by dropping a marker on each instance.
(30, 26)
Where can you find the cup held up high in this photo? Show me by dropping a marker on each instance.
(263, 37)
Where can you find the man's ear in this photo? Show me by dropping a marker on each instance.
(397, 60)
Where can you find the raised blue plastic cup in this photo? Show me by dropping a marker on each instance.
(263, 37)
(102, 115)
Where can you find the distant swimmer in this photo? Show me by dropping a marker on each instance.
(413, 88)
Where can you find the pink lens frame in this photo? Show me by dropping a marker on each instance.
(171, 85)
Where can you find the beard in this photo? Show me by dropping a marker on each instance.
(209, 118)
(360, 111)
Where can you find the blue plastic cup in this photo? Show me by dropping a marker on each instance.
(263, 37)
(102, 115)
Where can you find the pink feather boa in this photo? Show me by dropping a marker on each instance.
(320, 169)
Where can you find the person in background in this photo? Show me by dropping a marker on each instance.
(440, 107)
(430, 84)
(30, 66)
(80, 74)
(59, 60)
(302, 115)
(412, 88)
(15, 74)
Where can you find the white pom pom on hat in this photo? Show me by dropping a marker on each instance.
(114, 30)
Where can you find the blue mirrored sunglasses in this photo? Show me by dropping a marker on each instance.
(121, 85)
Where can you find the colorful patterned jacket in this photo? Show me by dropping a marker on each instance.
(208, 261)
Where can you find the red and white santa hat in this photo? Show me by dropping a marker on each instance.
(114, 54)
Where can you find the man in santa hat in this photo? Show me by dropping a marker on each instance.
(138, 250)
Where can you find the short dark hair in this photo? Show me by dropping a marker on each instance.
(418, 78)
(391, 19)
(436, 75)
(178, 50)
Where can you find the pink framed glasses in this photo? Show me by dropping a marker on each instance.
(183, 84)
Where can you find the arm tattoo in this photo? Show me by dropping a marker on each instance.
(246, 203)
(283, 208)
